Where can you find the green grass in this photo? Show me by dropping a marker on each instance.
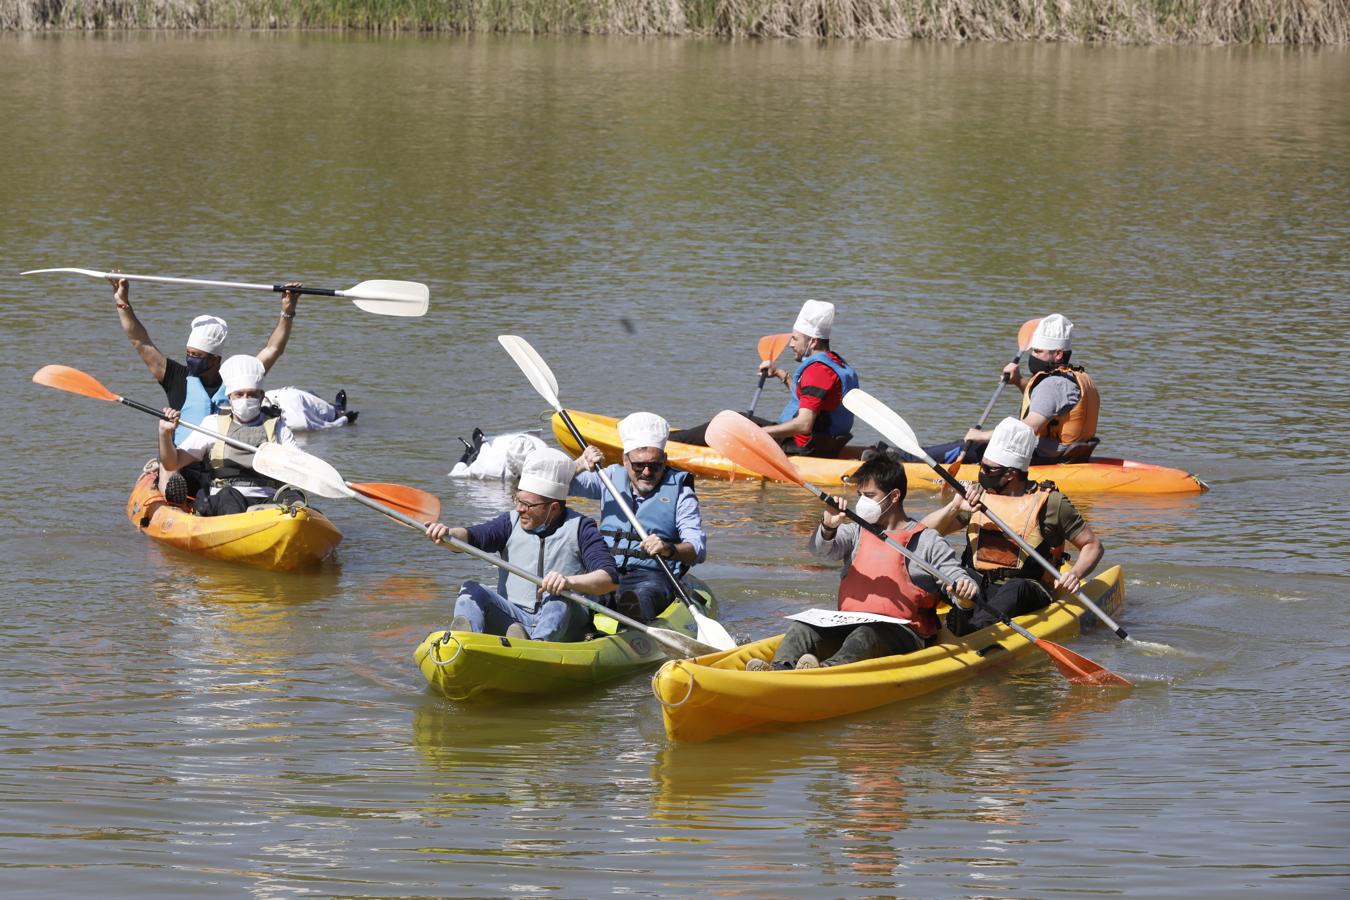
(1097, 21)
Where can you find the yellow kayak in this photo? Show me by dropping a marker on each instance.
(462, 664)
(713, 695)
(1121, 476)
(272, 537)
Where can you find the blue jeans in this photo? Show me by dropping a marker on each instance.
(488, 612)
(650, 589)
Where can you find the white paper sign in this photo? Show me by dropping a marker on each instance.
(832, 618)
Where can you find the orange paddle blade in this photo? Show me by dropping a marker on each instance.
(748, 446)
(1079, 669)
(1024, 334)
(67, 379)
(772, 344)
(411, 501)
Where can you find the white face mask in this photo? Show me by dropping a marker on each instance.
(246, 409)
(869, 510)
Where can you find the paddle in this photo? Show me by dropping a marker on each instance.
(769, 347)
(409, 500)
(318, 477)
(897, 431)
(382, 297)
(541, 377)
(1023, 342)
(746, 444)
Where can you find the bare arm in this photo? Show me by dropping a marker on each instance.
(170, 457)
(135, 331)
(1089, 554)
(594, 583)
(281, 335)
(801, 423)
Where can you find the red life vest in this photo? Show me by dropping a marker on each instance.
(877, 581)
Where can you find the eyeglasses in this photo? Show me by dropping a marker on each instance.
(994, 471)
(654, 465)
(526, 505)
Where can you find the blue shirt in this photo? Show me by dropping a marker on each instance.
(688, 519)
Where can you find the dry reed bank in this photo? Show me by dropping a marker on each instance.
(1104, 21)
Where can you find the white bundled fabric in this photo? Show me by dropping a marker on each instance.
(498, 457)
(304, 411)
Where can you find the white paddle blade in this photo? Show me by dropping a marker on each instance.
(883, 419)
(711, 632)
(534, 367)
(296, 467)
(390, 298)
(90, 272)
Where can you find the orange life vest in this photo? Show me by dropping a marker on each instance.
(997, 556)
(1081, 422)
(877, 581)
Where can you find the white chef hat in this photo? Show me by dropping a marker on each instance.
(208, 333)
(643, 429)
(815, 319)
(242, 373)
(548, 473)
(1012, 444)
(1054, 332)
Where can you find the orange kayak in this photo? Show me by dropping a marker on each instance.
(280, 538)
(1120, 476)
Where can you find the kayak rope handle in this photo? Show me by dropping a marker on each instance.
(446, 638)
(690, 693)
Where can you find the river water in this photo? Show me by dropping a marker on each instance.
(642, 211)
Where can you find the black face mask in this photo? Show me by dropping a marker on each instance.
(197, 364)
(992, 481)
(1036, 365)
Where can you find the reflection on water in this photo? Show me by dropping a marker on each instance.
(643, 211)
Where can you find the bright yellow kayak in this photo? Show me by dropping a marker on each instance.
(713, 695)
(462, 664)
(273, 537)
(1121, 476)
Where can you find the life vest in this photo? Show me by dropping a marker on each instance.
(877, 581)
(998, 557)
(656, 512)
(229, 465)
(1081, 422)
(197, 405)
(836, 422)
(558, 551)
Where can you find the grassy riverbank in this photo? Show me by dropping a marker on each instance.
(1110, 21)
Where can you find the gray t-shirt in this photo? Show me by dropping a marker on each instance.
(1053, 397)
(931, 548)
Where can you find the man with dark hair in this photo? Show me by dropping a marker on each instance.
(887, 604)
(814, 422)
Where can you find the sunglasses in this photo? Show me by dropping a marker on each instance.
(994, 471)
(655, 465)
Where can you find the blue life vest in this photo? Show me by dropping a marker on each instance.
(837, 422)
(656, 513)
(198, 405)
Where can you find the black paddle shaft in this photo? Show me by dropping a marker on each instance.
(319, 292)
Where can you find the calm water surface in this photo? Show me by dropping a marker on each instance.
(172, 727)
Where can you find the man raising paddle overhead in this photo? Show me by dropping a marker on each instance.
(1012, 582)
(814, 421)
(886, 603)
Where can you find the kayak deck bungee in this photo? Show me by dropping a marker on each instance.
(713, 695)
(464, 664)
(275, 537)
(1099, 475)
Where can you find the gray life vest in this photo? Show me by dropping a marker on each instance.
(233, 466)
(557, 552)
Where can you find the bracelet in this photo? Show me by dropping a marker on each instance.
(287, 315)
(121, 305)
